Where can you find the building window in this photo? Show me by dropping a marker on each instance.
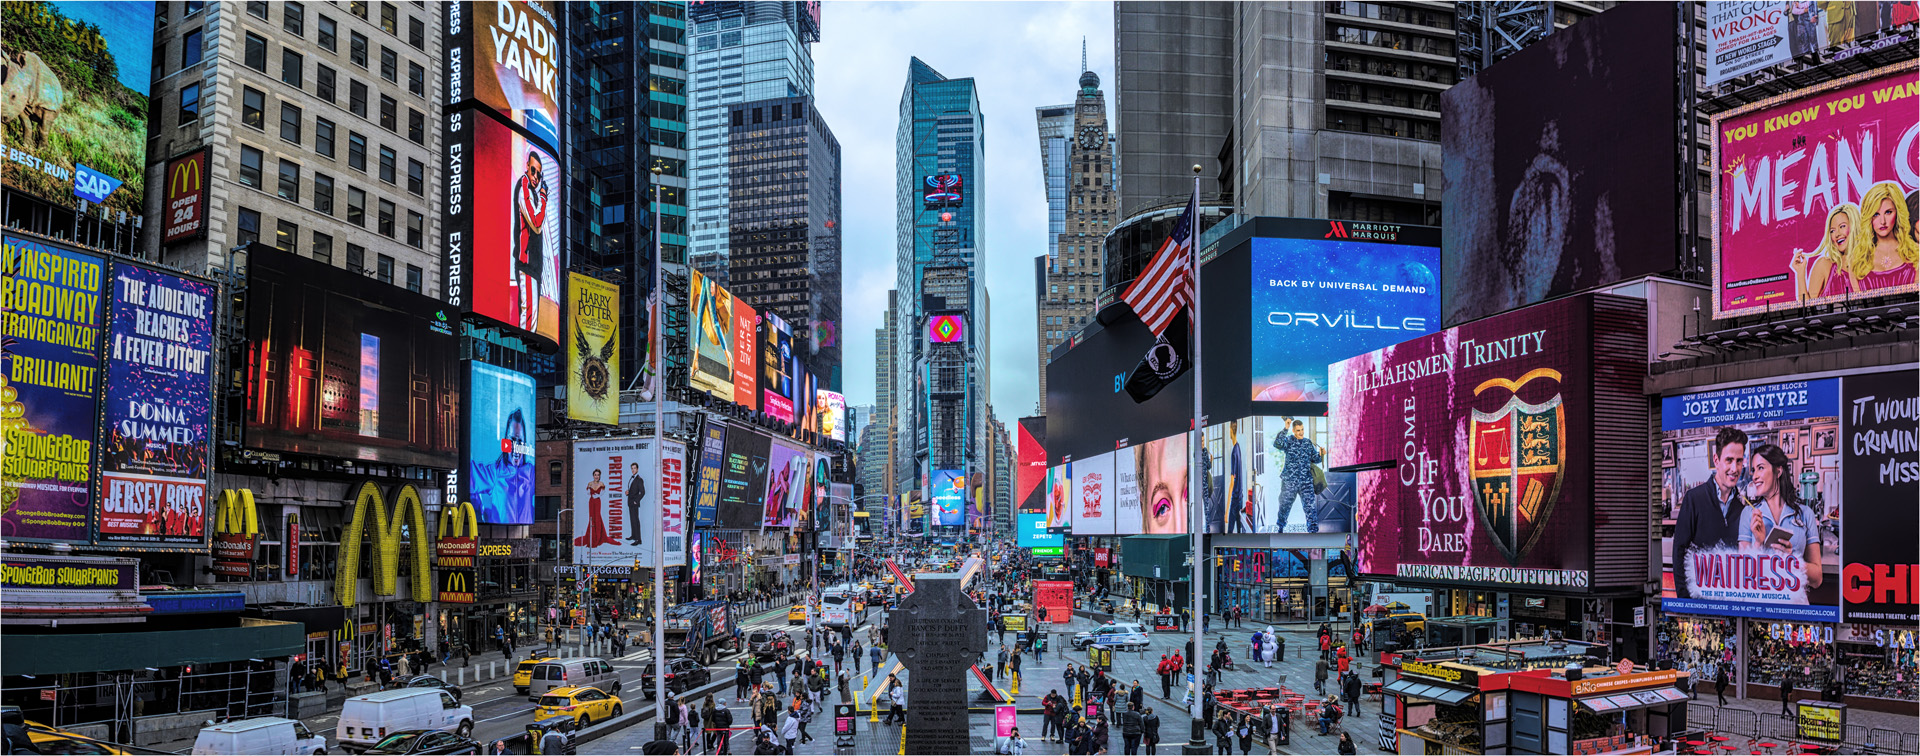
(189, 103)
(323, 247)
(357, 258)
(191, 48)
(250, 160)
(389, 64)
(249, 226)
(287, 237)
(386, 219)
(416, 279)
(416, 79)
(289, 181)
(290, 122)
(416, 126)
(389, 113)
(357, 98)
(323, 137)
(323, 193)
(358, 8)
(192, 7)
(329, 35)
(555, 470)
(389, 19)
(357, 49)
(356, 206)
(417, 33)
(323, 82)
(356, 151)
(387, 160)
(257, 9)
(293, 18)
(416, 230)
(386, 269)
(256, 52)
(292, 66)
(416, 177)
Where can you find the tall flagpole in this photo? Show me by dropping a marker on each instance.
(1196, 502)
(655, 327)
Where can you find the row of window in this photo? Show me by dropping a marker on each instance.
(1381, 95)
(1389, 40)
(1401, 69)
(286, 238)
(1420, 17)
(293, 19)
(1341, 120)
(287, 187)
(325, 136)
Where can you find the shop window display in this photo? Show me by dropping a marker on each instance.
(1775, 647)
(1878, 661)
(1697, 644)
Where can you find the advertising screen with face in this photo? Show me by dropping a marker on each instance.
(1317, 301)
(1157, 470)
(1092, 494)
(624, 498)
(504, 211)
(1059, 483)
(77, 76)
(51, 367)
(1774, 552)
(1270, 476)
(333, 374)
(500, 445)
(1745, 36)
(712, 333)
(1816, 195)
(1879, 423)
(1482, 424)
(948, 491)
(505, 54)
(156, 446)
(789, 483)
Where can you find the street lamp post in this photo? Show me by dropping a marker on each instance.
(655, 327)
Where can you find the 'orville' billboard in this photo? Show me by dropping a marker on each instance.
(1476, 448)
(1815, 195)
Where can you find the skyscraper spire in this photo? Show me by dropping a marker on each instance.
(1083, 55)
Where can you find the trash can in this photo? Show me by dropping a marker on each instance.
(538, 729)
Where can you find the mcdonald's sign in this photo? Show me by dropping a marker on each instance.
(459, 531)
(456, 586)
(186, 197)
(408, 519)
(236, 525)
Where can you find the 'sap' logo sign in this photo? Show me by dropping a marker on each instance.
(91, 185)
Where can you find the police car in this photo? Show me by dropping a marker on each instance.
(1125, 636)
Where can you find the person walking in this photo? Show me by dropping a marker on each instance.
(1223, 734)
(1165, 670)
(1132, 726)
(1150, 731)
(1320, 676)
(1052, 711)
(1013, 666)
(1243, 726)
(790, 730)
(857, 652)
(1137, 695)
(1000, 662)
(1787, 680)
(1346, 744)
(896, 701)
(1352, 690)
(1720, 682)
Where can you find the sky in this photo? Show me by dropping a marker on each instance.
(1021, 56)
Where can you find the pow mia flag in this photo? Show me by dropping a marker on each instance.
(1163, 363)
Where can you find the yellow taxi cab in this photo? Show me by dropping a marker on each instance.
(585, 705)
(888, 579)
(797, 615)
(523, 674)
(54, 740)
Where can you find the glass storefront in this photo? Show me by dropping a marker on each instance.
(1273, 585)
(1775, 647)
(1697, 644)
(1878, 661)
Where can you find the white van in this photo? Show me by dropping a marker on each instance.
(579, 671)
(364, 720)
(261, 735)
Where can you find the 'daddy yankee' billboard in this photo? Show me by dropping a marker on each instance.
(1476, 452)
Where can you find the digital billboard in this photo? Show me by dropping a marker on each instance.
(1033, 532)
(500, 439)
(593, 350)
(1476, 448)
(330, 373)
(505, 54)
(1744, 36)
(1880, 468)
(943, 190)
(830, 411)
(156, 418)
(746, 348)
(713, 457)
(789, 485)
(49, 388)
(1270, 475)
(502, 224)
(1059, 514)
(777, 363)
(1815, 194)
(1153, 487)
(77, 76)
(1092, 495)
(948, 491)
(743, 479)
(947, 329)
(1030, 475)
(1537, 196)
(711, 331)
(627, 501)
(1319, 300)
(1752, 448)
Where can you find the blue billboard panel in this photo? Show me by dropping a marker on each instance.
(156, 446)
(50, 367)
(1033, 532)
(949, 498)
(500, 445)
(1320, 301)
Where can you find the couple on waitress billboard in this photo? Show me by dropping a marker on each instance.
(1722, 525)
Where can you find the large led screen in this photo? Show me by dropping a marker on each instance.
(1558, 164)
(789, 485)
(1753, 448)
(1879, 470)
(743, 479)
(1815, 195)
(627, 501)
(746, 349)
(76, 85)
(1033, 532)
(943, 190)
(1030, 477)
(1092, 495)
(1478, 447)
(502, 224)
(505, 54)
(332, 374)
(49, 388)
(947, 329)
(500, 445)
(156, 446)
(949, 496)
(1153, 488)
(1270, 475)
(830, 411)
(713, 458)
(713, 337)
(1059, 512)
(593, 350)
(1317, 301)
(777, 364)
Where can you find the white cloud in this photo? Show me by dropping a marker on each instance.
(1021, 56)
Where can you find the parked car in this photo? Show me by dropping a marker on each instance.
(1126, 636)
(261, 735)
(425, 741)
(369, 719)
(682, 675)
(429, 681)
(584, 705)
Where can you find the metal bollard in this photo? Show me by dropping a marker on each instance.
(463, 677)
(493, 669)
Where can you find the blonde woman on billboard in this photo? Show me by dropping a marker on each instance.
(1883, 256)
(1824, 273)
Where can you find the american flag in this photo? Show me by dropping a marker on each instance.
(1166, 286)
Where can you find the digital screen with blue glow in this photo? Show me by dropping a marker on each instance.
(1033, 532)
(949, 498)
(1320, 301)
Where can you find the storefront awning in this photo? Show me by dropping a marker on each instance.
(1639, 699)
(1432, 691)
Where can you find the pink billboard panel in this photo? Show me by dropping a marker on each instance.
(1814, 194)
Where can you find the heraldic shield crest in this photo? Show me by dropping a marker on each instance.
(1518, 455)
